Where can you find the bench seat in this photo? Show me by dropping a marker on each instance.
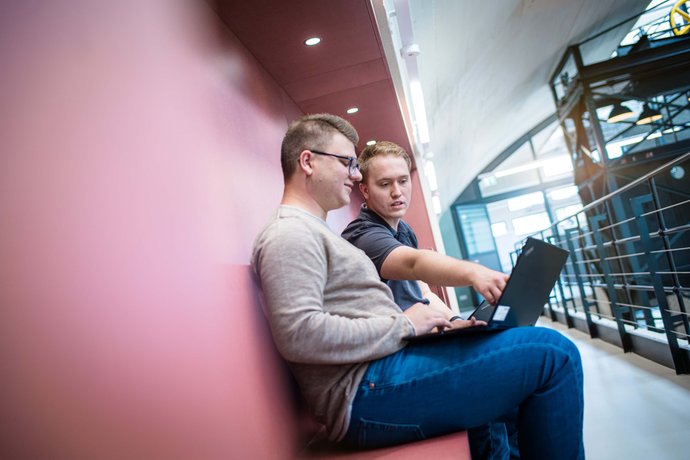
(276, 429)
(451, 446)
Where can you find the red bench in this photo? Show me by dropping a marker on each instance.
(451, 446)
(265, 398)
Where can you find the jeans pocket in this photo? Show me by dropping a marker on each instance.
(372, 434)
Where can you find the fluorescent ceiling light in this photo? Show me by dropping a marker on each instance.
(312, 41)
(352, 110)
(430, 173)
(419, 111)
(436, 203)
(371, 142)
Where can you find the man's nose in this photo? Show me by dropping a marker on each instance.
(395, 190)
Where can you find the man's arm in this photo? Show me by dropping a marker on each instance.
(427, 293)
(431, 267)
(292, 271)
(436, 302)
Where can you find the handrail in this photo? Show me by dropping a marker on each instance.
(622, 189)
(630, 249)
(634, 271)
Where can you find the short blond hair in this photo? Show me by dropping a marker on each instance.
(379, 149)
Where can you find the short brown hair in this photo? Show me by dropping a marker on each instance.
(312, 132)
(378, 149)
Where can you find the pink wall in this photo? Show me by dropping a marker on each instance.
(140, 147)
(140, 158)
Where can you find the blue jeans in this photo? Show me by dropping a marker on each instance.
(494, 441)
(434, 388)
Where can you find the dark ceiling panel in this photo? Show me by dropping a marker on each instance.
(275, 30)
(378, 118)
(338, 80)
(348, 69)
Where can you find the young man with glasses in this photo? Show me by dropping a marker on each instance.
(343, 336)
(391, 244)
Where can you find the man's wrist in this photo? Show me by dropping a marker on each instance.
(470, 272)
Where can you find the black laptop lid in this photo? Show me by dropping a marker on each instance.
(536, 271)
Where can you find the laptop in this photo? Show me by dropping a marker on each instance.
(535, 273)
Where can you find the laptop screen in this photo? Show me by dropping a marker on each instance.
(536, 270)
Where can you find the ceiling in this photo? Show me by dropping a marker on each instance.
(347, 69)
(483, 66)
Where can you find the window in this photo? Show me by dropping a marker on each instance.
(499, 229)
(556, 166)
(562, 193)
(549, 140)
(514, 173)
(525, 201)
(531, 224)
(476, 230)
(562, 213)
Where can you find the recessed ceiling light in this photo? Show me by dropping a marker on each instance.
(371, 142)
(312, 41)
(352, 110)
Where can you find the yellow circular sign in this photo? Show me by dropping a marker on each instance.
(682, 26)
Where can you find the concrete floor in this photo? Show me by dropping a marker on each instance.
(634, 408)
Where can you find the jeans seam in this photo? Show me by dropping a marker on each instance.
(388, 386)
(369, 426)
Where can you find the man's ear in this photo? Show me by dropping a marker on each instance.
(364, 190)
(305, 159)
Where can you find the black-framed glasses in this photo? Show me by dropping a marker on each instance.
(352, 164)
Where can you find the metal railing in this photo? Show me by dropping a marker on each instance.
(628, 274)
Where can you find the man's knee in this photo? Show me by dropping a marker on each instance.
(567, 346)
(553, 344)
(555, 338)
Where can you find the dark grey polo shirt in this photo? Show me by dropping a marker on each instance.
(370, 233)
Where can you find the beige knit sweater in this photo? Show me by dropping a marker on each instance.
(328, 310)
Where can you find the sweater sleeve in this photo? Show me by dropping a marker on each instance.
(292, 266)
